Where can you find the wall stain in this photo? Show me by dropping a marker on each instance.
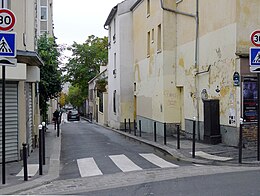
(137, 71)
(181, 62)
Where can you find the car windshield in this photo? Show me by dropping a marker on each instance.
(74, 112)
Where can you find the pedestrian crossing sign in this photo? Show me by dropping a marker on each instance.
(7, 44)
(254, 59)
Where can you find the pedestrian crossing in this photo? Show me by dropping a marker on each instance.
(88, 167)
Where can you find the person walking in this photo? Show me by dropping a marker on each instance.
(56, 116)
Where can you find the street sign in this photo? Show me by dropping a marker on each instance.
(254, 59)
(7, 20)
(255, 38)
(7, 44)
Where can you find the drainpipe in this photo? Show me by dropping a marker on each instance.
(196, 17)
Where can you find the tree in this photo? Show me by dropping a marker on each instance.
(85, 63)
(50, 84)
(63, 99)
(75, 97)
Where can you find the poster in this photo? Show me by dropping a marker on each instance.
(250, 99)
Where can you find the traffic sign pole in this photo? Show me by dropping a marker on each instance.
(9, 50)
(3, 119)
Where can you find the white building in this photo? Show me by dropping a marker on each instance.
(120, 65)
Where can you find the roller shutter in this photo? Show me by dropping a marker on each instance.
(11, 121)
(29, 116)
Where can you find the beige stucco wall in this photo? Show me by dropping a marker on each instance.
(157, 95)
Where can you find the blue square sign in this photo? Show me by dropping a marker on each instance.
(7, 44)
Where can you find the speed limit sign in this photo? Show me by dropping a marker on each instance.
(7, 20)
(255, 38)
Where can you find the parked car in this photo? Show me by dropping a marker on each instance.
(73, 115)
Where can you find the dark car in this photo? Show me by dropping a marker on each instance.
(73, 115)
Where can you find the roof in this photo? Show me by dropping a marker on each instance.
(29, 57)
(90, 81)
(135, 4)
(111, 16)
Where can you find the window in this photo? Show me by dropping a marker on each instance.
(152, 35)
(44, 13)
(148, 43)
(114, 70)
(148, 9)
(114, 101)
(159, 38)
(114, 36)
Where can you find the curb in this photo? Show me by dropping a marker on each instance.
(178, 155)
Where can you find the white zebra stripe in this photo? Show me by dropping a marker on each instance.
(88, 167)
(31, 168)
(124, 163)
(158, 161)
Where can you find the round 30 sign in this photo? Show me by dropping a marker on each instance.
(255, 38)
(7, 20)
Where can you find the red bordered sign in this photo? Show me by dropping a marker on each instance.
(7, 20)
(255, 38)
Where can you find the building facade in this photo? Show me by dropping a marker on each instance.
(120, 60)
(22, 100)
(190, 63)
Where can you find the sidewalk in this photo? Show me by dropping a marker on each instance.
(219, 154)
(16, 184)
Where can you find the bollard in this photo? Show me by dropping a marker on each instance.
(125, 124)
(25, 169)
(164, 131)
(154, 125)
(140, 128)
(58, 127)
(178, 137)
(40, 149)
(193, 137)
(43, 142)
(129, 123)
(240, 141)
(134, 128)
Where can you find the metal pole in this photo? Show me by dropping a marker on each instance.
(240, 141)
(193, 138)
(125, 124)
(164, 131)
(40, 149)
(258, 123)
(140, 128)
(178, 136)
(43, 142)
(25, 170)
(3, 121)
(129, 123)
(134, 128)
(154, 126)
(58, 127)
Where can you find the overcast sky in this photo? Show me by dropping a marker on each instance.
(75, 20)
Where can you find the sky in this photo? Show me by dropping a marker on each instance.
(77, 19)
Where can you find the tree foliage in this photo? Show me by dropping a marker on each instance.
(50, 84)
(75, 97)
(85, 62)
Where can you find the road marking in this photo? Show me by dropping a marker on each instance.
(211, 157)
(88, 167)
(124, 163)
(31, 168)
(158, 161)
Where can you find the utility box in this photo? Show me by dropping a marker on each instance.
(211, 122)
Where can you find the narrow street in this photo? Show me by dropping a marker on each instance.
(90, 150)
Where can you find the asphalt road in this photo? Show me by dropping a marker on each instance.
(93, 144)
(228, 184)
